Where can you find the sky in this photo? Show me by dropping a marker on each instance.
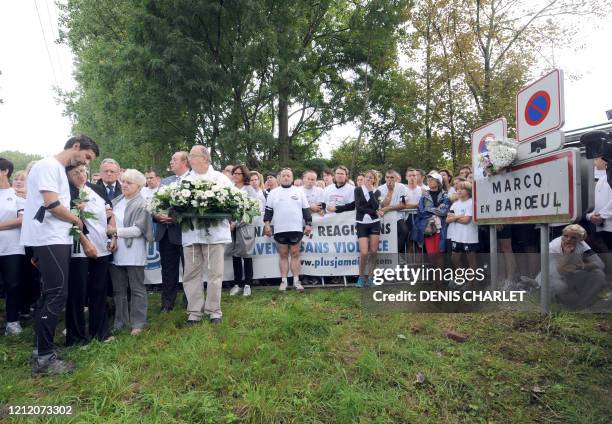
(32, 64)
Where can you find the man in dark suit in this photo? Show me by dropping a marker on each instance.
(109, 174)
(168, 234)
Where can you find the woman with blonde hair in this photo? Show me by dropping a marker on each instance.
(368, 214)
(19, 184)
(133, 230)
(256, 183)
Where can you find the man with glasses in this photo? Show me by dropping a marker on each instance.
(168, 235)
(109, 174)
(204, 248)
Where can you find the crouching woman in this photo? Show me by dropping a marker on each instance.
(133, 230)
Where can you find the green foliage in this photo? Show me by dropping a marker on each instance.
(20, 160)
(259, 82)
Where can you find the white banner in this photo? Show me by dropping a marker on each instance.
(153, 266)
(331, 250)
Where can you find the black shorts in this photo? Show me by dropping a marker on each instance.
(505, 233)
(365, 230)
(290, 237)
(525, 235)
(464, 247)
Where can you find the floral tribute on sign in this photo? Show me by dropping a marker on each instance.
(201, 203)
(499, 155)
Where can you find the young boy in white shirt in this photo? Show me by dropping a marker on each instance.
(464, 231)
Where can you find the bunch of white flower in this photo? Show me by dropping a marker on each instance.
(502, 153)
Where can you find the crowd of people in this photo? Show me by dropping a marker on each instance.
(68, 240)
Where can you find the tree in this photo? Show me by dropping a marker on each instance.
(20, 160)
(256, 81)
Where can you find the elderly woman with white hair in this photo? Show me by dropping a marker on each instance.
(133, 230)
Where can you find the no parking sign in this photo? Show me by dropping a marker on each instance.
(540, 107)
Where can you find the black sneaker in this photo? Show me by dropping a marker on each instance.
(165, 310)
(215, 321)
(192, 322)
(51, 364)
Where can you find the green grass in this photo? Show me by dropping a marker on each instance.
(320, 358)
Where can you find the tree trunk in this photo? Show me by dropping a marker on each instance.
(428, 82)
(283, 126)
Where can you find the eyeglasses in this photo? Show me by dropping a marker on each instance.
(237, 173)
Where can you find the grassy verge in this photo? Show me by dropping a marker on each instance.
(319, 358)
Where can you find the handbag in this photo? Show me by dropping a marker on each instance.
(430, 227)
(433, 226)
(244, 240)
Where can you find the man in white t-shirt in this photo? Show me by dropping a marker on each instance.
(421, 180)
(314, 194)
(575, 271)
(413, 196)
(340, 196)
(394, 194)
(46, 228)
(286, 209)
(204, 248)
(152, 186)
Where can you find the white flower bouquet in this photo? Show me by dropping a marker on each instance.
(500, 154)
(200, 203)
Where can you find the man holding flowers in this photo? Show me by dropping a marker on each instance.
(204, 247)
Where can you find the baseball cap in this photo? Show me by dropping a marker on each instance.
(435, 175)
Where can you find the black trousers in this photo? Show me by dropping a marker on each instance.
(403, 235)
(10, 271)
(171, 256)
(54, 264)
(87, 282)
(30, 283)
(248, 270)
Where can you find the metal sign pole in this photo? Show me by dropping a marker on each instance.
(544, 271)
(493, 249)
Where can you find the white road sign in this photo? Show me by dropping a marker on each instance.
(547, 143)
(543, 190)
(495, 129)
(540, 107)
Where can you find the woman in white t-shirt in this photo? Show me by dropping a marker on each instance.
(11, 253)
(89, 263)
(133, 230)
(464, 233)
(256, 183)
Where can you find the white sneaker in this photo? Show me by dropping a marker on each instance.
(298, 286)
(235, 290)
(247, 290)
(13, 328)
(283, 286)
